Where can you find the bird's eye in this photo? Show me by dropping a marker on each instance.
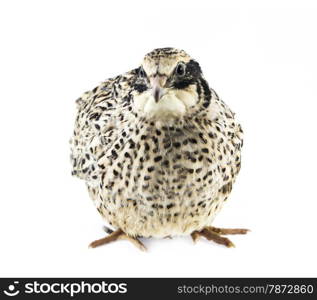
(141, 72)
(180, 69)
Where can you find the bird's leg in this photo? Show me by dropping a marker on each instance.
(117, 235)
(226, 231)
(211, 236)
(214, 234)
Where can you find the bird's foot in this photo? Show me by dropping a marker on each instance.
(214, 234)
(117, 235)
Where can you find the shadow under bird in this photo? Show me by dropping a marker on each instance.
(159, 151)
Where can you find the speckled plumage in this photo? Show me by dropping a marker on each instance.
(157, 168)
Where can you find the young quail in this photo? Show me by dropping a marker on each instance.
(158, 150)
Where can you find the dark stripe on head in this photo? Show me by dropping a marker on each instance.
(207, 92)
(193, 74)
(198, 89)
(183, 83)
(140, 87)
(193, 68)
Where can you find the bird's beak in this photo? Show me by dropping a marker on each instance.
(157, 84)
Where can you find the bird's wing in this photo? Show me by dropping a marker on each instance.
(231, 149)
(232, 159)
(97, 121)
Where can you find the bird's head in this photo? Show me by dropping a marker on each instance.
(169, 84)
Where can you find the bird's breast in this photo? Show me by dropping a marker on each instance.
(162, 173)
(163, 162)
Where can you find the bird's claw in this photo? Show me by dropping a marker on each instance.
(214, 234)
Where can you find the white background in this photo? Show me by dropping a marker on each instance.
(261, 59)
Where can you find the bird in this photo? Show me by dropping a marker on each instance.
(159, 151)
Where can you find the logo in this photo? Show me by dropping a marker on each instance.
(67, 288)
(12, 289)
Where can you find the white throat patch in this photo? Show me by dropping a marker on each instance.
(174, 103)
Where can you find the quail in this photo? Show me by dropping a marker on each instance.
(159, 151)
